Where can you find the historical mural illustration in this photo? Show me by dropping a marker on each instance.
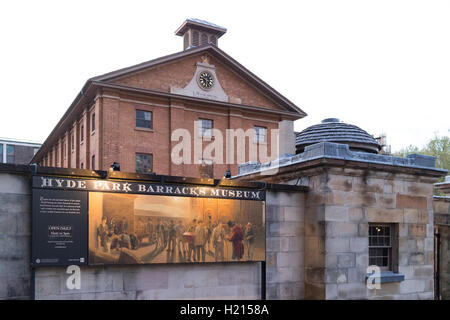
(129, 229)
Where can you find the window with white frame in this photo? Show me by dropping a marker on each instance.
(144, 119)
(260, 134)
(205, 127)
(144, 163)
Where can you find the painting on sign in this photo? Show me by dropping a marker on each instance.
(147, 229)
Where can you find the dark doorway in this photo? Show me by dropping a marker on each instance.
(437, 264)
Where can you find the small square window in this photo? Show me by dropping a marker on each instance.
(260, 134)
(144, 119)
(205, 127)
(144, 163)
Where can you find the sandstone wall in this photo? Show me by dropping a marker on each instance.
(339, 207)
(152, 282)
(442, 220)
(15, 236)
(285, 245)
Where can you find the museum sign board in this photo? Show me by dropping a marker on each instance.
(96, 221)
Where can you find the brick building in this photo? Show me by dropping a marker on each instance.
(17, 151)
(129, 115)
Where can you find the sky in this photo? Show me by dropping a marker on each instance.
(381, 65)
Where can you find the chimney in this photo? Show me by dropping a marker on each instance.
(196, 33)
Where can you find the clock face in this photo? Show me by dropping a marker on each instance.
(206, 80)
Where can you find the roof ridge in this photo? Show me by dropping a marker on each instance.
(265, 88)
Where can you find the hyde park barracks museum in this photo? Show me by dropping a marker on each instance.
(323, 215)
(128, 116)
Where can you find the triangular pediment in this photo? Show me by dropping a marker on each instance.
(190, 72)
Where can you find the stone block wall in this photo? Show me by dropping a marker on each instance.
(15, 236)
(442, 220)
(153, 282)
(285, 245)
(339, 207)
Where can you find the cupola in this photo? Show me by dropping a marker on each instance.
(333, 130)
(196, 32)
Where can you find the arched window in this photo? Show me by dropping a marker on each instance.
(195, 38)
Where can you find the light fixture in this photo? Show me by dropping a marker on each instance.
(115, 166)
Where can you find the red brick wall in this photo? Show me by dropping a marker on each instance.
(72, 153)
(93, 135)
(180, 72)
(122, 140)
(116, 139)
(82, 143)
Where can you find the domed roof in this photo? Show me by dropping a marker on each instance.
(332, 130)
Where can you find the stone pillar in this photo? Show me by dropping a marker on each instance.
(286, 137)
(285, 245)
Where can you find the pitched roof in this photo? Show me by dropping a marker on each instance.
(104, 81)
(202, 24)
(228, 60)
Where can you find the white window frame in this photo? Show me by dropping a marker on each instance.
(257, 135)
(202, 131)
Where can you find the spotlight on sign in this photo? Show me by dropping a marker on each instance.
(115, 166)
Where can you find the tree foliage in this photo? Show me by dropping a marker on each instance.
(438, 147)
